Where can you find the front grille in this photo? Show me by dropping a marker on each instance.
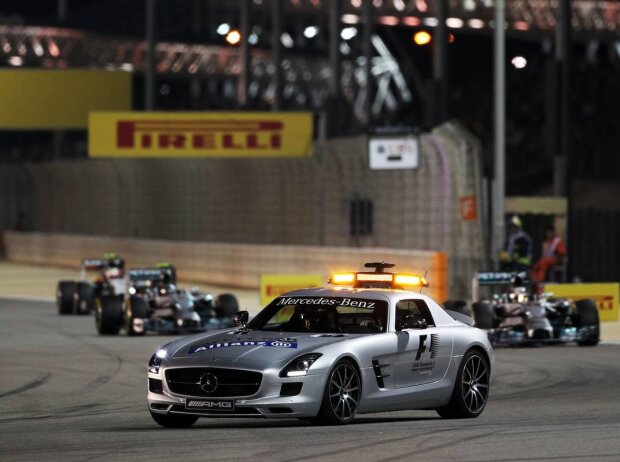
(230, 382)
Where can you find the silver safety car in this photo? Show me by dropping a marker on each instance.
(328, 354)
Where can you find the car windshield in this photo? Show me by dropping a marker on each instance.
(323, 315)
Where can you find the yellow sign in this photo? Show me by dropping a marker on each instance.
(274, 285)
(196, 134)
(606, 296)
(59, 99)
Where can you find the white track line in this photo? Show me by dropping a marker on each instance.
(26, 298)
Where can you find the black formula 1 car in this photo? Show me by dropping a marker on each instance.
(515, 316)
(79, 297)
(153, 303)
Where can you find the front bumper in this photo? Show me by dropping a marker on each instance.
(268, 401)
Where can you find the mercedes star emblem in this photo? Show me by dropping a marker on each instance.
(208, 382)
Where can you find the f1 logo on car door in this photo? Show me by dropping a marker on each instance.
(425, 358)
(428, 348)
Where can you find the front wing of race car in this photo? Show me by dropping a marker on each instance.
(516, 336)
(180, 326)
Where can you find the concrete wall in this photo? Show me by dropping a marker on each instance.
(230, 265)
(266, 201)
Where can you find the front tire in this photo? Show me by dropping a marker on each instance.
(226, 306)
(342, 394)
(174, 420)
(587, 317)
(109, 315)
(138, 309)
(483, 315)
(471, 390)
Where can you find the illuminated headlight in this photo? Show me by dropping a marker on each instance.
(132, 290)
(299, 366)
(156, 360)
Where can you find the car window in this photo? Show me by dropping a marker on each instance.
(323, 315)
(416, 308)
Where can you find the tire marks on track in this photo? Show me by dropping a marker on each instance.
(27, 386)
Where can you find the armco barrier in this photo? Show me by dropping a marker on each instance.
(232, 265)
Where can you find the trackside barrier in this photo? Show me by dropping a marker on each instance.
(230, 265)
(606, 296)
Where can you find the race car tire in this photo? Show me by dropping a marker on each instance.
(174, 420)
(226, 306)
(587, 316)
(483, 315)
(138, 309)
(471, 390)
(84, 298)
(460, 306)
(342, 394)
(109, 315)
(64, 297)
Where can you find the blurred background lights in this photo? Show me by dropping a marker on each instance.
(519, 62)
(422, 38)
(311, 31)
(287, 40)
(223, 29)
(233, 37)
(348, 33)
(16, 61)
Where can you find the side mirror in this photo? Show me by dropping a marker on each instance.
(241, 318)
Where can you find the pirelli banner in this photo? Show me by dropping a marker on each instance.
(196, 134)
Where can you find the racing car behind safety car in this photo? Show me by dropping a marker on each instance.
(515, 316)
(79, 297)
(154, 303)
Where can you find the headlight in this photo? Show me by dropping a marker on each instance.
(156, 360)
(299, 366)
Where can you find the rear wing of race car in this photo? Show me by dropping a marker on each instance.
(94, 264)
(497, 278)
(151, 274)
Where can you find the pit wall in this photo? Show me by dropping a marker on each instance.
(267, 202)
(228, 265)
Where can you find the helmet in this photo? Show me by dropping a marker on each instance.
(516, 221)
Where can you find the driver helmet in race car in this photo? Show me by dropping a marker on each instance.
(165, 285)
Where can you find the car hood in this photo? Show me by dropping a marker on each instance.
(260, 346)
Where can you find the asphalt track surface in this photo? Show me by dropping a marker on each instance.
(69, 394)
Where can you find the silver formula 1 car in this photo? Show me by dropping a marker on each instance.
(328, 354)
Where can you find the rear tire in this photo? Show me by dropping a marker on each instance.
(587, 316)
(84, 298)
(109, 315)
(483, 315)
(471, 390)
(138, 309)
(174, 420)
(226, 306)
(64, 297)
(460, 306)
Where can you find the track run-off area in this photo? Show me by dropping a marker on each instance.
(68, 394)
